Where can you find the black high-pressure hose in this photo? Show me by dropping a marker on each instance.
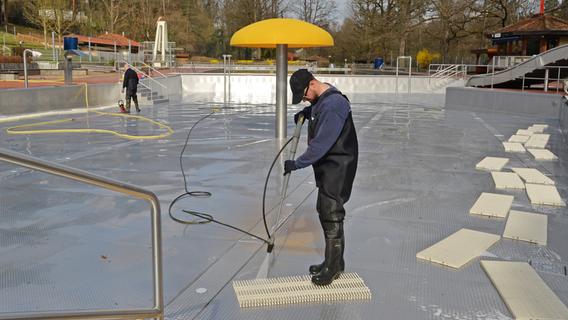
(206, 218)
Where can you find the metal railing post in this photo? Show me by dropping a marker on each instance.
(409, 72)
(26, 84)
(558, 79)
(493, 73)
(546, 79)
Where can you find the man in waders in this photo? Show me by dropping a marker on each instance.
(332, 152)
(130, 82)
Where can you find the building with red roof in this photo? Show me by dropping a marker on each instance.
(106, 42)
(530, 36)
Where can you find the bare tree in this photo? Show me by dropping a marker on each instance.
(39, 13)
(410, 14)
(114, 13)
(3, 13)
(452, 20)
(319, 12)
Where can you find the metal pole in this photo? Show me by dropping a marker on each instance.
(129, 52)
(225, 78)
(90, 55)
(558, 79)
(492, 72)
(115, 57)
(170, 56)
(396, 86)
(53, 45)
(229, 78)
(25, 69)
(546, 80)
(409, 74)
(281, 87)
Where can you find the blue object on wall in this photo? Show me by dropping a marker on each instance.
(70, 43)
(378, 63)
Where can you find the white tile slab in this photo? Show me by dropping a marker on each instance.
(538, 141)
(540, 126)
(514, 147)
(492, 205)
(526, 226)
(542, 154)
(519, 138)
(492, 163)
(507, 180)
(524, 132)
(523, 291)
(544, 194)
(459, 248)
(534, 129)
(531, 175)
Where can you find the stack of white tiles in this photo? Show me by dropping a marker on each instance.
(459, 248)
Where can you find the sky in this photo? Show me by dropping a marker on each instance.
(343, 9)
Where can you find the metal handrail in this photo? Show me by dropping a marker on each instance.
(546, 79)
(152, 68)
(409, 72)
(145, 75)
(85, 177)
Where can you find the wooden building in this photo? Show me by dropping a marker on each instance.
(530, 36)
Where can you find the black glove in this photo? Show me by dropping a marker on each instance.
(289, 166)
(306, 112)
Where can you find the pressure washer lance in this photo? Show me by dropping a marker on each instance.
(263, 271)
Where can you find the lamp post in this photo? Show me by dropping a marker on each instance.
(35, 54)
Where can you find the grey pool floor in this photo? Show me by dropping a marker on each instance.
(68, 246)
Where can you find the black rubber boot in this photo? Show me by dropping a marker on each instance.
(135, 98)
(316, 268)
(331, 230)
(332, 265)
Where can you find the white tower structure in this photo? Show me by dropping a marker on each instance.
(161, 43)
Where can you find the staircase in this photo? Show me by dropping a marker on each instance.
(527, 73)
(150, 96)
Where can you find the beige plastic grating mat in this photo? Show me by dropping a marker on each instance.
(299, 289)
(459, 248)
(534, 129)
(492, 204)
(514, 147)
(542, 154)
(524, 132)
(531, 175)
(507, 180)
(526, 226)
(538, 127)
(492, 163)
(519, 138)
(544, 194)
(523, 291)
(537, 140)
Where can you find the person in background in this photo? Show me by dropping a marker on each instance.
(130, 83)
(333, 153)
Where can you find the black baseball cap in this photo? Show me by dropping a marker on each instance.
(298, 83)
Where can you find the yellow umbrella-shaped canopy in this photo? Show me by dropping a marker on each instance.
(271, 32)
